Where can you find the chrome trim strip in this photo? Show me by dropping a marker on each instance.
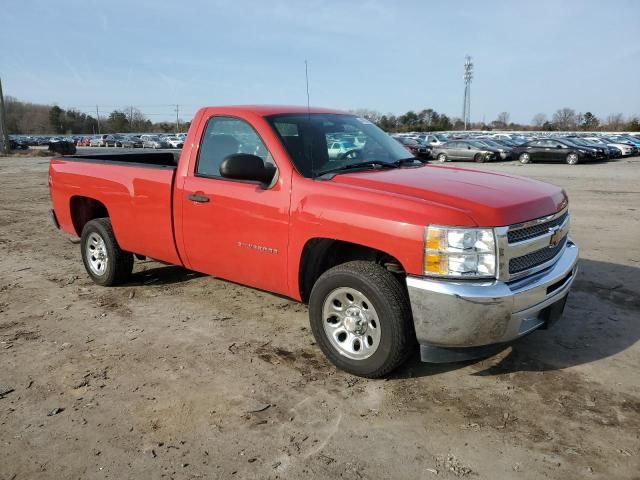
(537, 221)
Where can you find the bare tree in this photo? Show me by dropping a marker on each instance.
(539, 120)
(24, 117)
(578, 120)
(137, 120)
(615, 122)
(503, 119)
(565, 119)
(371, 115)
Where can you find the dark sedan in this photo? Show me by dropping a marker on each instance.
(17, 145)
(416, 148)
(505, 151)
(465, 150)
(129, 142)
(554, 150)
(603, 151)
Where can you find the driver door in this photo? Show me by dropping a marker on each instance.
(466, 151)
(232, 229)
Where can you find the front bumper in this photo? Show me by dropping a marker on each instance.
(454, 314)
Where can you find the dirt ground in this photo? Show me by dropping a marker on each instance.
(178, 375)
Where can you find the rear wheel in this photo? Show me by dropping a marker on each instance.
(524, 158)
(106, 263)
(442, 157)
(361, 319)
(572, 158)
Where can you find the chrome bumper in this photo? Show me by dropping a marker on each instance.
(476, 313)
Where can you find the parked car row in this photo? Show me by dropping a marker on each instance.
(526, 148)
(134, 141)
(106, 140)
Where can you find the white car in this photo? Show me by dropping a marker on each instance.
(336, 149)
(626, 149)
(175, 142)
(435, 140)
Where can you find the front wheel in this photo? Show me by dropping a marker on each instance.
(442, 157)
(361, 318)
(478, 158)
(572, 158)
(103, 259)
(524, 158)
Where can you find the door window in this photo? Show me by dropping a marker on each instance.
(225, 136)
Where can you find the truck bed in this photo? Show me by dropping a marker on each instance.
(147, 159)
(134, 190)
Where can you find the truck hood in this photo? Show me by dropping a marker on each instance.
(490, 199)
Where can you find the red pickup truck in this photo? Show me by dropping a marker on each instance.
(388, 252)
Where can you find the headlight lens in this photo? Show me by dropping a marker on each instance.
(460, 252)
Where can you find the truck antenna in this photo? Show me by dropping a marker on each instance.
(306, 76)
(307, 144)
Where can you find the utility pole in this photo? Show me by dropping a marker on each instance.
(177, 120)
(131, 119)
(98, 117)
(4, 133)
(468, 76)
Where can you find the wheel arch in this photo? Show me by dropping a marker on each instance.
(84, 209)
(320, 254)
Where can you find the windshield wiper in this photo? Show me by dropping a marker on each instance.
(408, 160)
(372, 164)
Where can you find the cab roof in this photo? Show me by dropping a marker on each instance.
(266, 110)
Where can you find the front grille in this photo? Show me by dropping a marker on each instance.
(534, 231)
(533, 259)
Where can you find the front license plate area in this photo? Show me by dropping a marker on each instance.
(553, 312)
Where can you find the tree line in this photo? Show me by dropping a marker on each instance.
(24, 118)
(564, 119)
(30, 118)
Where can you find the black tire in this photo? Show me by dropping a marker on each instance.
(478, 158)
(442, 157)
(119, 263)
(390, 300)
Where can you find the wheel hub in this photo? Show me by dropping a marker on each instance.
(355, 321)
(96, 253)
(351, 323)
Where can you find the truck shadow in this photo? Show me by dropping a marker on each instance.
(162, 275)
(601, 319)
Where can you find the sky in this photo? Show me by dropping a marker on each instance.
(389, 56)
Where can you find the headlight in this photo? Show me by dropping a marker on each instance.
(460, 252)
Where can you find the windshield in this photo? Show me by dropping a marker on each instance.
(308, 139)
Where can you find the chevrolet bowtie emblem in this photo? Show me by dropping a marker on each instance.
(556, 237)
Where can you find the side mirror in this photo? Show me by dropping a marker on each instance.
(468, 147)
(559, 146)
(244, 166)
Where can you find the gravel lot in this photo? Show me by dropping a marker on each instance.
(178, 375)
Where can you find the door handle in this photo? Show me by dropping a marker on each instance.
(195, 197)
